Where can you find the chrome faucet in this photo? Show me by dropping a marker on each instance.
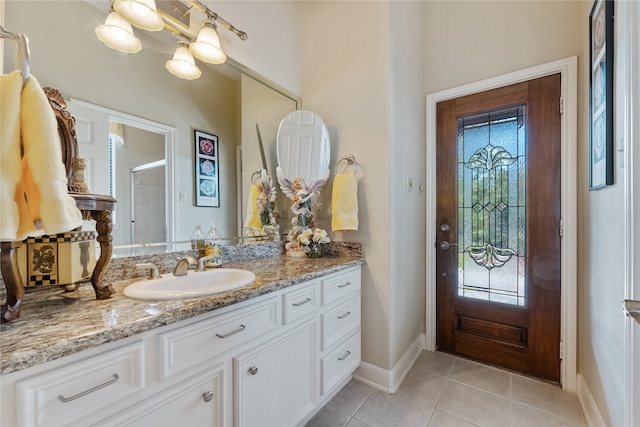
(183, 265)
(153, 270)
(203, 260)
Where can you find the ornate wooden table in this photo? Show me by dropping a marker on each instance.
(100, 208)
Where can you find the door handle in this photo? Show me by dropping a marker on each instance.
(444, 245)
(632, 309)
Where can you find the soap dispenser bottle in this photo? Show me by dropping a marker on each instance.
(213, 248)
(197, 238)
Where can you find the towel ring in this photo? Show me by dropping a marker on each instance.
(253, 175)
(23, 51)
(351, 160)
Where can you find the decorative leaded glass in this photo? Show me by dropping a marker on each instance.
(491, 206)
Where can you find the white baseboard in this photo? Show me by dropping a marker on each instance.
(588, 403)
(390, 380)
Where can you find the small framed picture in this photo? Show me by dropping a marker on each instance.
(207, 170)
(601, 95)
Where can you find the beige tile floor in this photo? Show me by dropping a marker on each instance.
(443, 390)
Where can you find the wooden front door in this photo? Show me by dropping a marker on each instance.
(498, 218)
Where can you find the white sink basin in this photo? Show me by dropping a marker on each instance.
(194, 284)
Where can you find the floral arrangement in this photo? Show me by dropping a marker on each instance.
(310, 240)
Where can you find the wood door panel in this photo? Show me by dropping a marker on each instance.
(493, 352)
(516, 335)
(524, 338)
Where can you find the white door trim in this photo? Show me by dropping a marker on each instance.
(568, 69)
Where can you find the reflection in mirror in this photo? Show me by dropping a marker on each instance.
(132, 166)
(137, 85)
(303, 145)
(304, 151)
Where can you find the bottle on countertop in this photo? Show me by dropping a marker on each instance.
(197, 238)
(213, 247)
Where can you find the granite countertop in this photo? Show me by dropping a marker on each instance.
(55, 323)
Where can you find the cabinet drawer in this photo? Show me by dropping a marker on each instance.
(76, 392)
(340, 284)
(198, 401)
(299, 302)
(338, 322)
(183, 347)
(340, 363)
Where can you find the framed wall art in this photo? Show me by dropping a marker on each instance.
(207, 170)
(601, 94)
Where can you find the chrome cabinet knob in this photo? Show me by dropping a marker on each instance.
(207, 396)
(253, 370)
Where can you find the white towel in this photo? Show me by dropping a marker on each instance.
(344, 202)
(33, 188)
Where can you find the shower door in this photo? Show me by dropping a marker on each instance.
(148, 218)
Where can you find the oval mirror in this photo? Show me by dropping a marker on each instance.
(303, 145)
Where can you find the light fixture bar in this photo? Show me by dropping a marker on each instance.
(218, 19)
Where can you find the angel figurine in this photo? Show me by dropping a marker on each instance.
(266, 203)
(303, 195)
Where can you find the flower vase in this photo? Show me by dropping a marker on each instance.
(314, 251)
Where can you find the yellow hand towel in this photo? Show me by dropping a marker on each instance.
(10, 159)
(41, 204)
(253, 218)
(344, 202)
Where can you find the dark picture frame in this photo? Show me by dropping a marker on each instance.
(207, 169)
(601, 94)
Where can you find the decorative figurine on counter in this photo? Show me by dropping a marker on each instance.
(303, 196)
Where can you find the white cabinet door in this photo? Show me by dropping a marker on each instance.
(275, 382)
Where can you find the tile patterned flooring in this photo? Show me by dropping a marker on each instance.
(443, 390)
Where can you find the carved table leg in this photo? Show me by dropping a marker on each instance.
(103, 227)
(12, 280)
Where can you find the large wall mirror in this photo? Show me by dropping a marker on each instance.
(151, 116)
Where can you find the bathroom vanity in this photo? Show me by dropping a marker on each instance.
(271, 353)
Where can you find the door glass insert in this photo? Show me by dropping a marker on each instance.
(491, 206)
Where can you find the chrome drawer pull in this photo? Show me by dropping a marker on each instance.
(91, 390)
(298, 304)
(344, 285)
(344, 315)
(240, 329)
(344, 356)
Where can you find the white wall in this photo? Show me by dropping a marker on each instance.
(345, 75)
(601, 236)
(272, 48)
(406, 153)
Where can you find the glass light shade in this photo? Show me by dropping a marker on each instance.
(141, 13)
(207, 47)
(183, 65)
(118, 34)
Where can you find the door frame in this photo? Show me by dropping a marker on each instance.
(567, 68)
(629, 13)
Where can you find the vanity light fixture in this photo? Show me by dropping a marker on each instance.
(141, 13)
(172, 17)
(117, 33)
(183, 65)
(207, 46)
